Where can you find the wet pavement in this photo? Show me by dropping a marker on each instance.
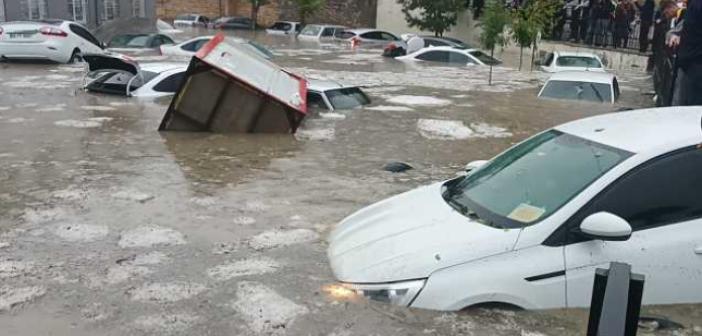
(108, 227)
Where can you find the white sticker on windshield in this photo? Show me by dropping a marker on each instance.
(526, 213)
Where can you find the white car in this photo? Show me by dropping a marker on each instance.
(598, 87)
(529, 228)
(331, 95)
(451, 55)
(119, 75)
(572, 61)
(368, 36)
(52, 40)
(191, 20)
(190, 47)
(284, 28)
(319, 31)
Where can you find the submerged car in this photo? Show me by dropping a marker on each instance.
(528, 228)
(571, 61)
(451, 55)
(191, 20)
(367, 36)
(139, 41)
(190, 47)
(598, 87)
(119, 75)
(284, 28)
(331, 95)
(319, 31)
(51, 40)
(235, 22)
(400, 48)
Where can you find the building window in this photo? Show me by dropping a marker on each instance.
(36, 9)
(77, 9)
(138, 9)
(110, 10)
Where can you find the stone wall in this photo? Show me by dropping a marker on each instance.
(353, 13)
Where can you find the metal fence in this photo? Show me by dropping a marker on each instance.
(571, 32)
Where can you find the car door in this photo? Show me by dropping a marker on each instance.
(434, 56)
(460, 59)
(662, 201)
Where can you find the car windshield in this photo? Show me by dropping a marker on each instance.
(311, 30)
(127, 40)
(485, 58)
(575, 90)
(347, 98)
(578, 61)
(186, 17)
(532, 180)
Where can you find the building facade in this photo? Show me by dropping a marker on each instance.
(89, 12)
(352, 13)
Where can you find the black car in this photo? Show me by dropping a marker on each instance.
(234, 23)
(140, 41)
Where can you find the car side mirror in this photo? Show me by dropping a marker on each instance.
(475, 165)
(606, 226)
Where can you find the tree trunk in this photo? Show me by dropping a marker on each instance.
(521, 57)
(533, 53)
(492, 54)
(254, 16)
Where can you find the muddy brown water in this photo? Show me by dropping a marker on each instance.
(108, 227)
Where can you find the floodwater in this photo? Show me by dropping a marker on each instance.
(108, 227)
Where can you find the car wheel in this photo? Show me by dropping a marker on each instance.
(77, 56)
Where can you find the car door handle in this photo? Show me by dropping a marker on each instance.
(698, 250)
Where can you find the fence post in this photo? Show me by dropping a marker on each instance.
(616, 301)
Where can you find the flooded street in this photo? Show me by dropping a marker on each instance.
(108, 227)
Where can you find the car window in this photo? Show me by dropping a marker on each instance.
(195, 45)
(138, 41)
(186, 17)
(315, 100)
(372, 36)
(347, 98)
(533, 180)
(327, 32)
(458, 58)
(663, 191)
(311, 30)
(435, 43)
(615, 85)
(388, 36)
(549, 59)
(578, 62)
(575, 90)
(281, 26)
(203, 19)
(344, 34)
(170, 83)
(485, 58)
(434, 56)
(85, 34)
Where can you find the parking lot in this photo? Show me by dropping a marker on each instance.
(109, 227)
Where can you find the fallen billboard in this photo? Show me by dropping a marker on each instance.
(230, 89)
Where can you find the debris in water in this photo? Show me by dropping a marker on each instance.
(397, 167)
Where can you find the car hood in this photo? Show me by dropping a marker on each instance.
(410, 236)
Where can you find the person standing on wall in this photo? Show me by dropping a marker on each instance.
(646, 12)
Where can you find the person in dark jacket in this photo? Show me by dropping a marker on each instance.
(689, 49)
(601, 15)
(623, 16)
(646, 14)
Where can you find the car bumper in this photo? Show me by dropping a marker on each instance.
(48, 50)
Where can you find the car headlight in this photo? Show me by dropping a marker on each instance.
(397, 293)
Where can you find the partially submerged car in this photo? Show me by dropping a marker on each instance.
(451, 55)
(401, 48)
(331, 95)
(598, 87)
(366, 36)
(139, 41)
(191, 20)
(233, 22)
(320, 31)
(571, 61)
(190, 47)
(228, 88)
(285, 28)
(52, 40)
(529, 228)
(119, 75)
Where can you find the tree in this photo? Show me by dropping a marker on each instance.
(523, 31)
(437, 16)
(305, 8)
(495, 20)
(255, 7)
(540, 15)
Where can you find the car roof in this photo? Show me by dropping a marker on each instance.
(656, 129)
(575, 53)
(447, 48)
(583, 76)
(323, 85)
(160, 67)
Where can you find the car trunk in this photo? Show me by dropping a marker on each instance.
(229, 89)
(22, 32)
(116, 73)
